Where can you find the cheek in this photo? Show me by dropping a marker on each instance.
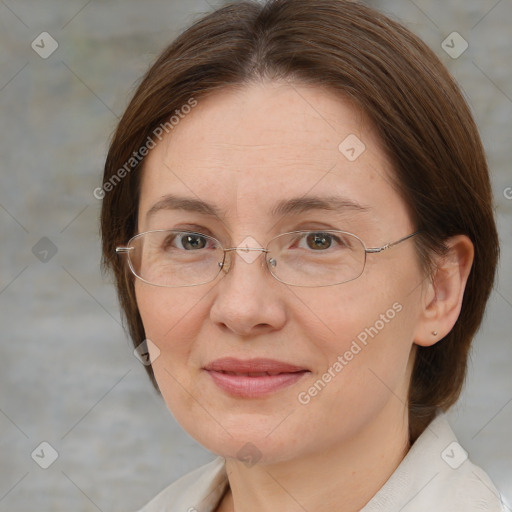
(164, 311)
(364, 333)
(363, 364)
(172, 320)
(336, 317)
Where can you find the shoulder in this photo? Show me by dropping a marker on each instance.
(201, 489)
(437, 474)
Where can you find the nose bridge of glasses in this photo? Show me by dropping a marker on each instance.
(245, 249)
(248, 254)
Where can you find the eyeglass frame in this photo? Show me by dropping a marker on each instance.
(367, 250)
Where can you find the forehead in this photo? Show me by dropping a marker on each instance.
(272, 121)
(268, 141)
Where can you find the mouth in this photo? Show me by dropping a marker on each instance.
(253, 374)
(253, 378)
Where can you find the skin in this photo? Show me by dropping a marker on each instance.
(244, 150)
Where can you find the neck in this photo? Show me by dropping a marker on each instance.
(343, 477)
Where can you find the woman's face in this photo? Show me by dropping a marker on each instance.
(243, 152)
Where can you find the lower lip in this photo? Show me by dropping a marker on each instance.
(254, 387)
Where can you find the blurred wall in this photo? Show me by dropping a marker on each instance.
(68, 376)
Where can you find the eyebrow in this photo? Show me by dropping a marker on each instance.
(284, 207)
(306, 203)
(172, 202)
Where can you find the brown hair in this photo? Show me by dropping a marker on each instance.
(415, 106)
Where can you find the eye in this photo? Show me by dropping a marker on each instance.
(319, 241)
(192, 241)
(186, 241)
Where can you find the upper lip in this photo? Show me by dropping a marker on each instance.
(256, 365)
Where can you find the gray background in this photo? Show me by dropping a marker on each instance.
(67, 372)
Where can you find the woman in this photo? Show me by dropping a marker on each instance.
(298, 216)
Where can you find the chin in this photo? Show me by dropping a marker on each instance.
(249, 437)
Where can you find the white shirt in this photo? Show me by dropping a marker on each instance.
(434, 476)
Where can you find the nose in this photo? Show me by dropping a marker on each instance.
(248, 300)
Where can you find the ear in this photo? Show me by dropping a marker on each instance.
(442, 298)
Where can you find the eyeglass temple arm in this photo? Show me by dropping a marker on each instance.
(120, 250)
(391, 244)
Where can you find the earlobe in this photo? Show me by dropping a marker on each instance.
(442, 300)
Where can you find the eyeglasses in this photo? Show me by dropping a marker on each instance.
(174, 258)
